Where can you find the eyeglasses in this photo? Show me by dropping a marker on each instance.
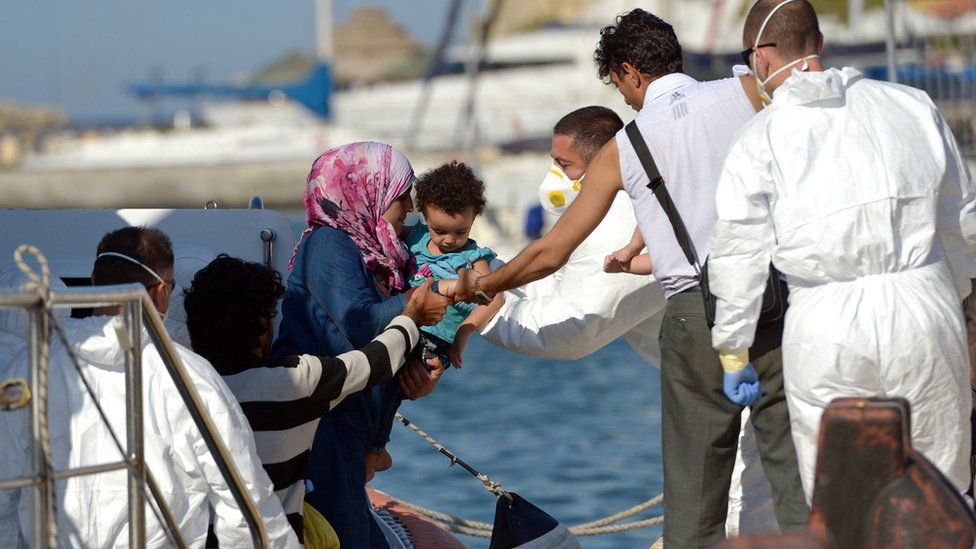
(746, 54)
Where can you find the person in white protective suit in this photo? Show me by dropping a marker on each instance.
(14, 337)
(857, 193)
(187, 260)
(15, 323)
(92, 510)
(579, 309)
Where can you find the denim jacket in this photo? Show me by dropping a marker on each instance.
(332, 305)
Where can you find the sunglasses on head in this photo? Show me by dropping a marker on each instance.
(746, 54)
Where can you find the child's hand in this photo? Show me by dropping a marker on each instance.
(445, 287)
(639, 265)
(618, 261)
(460, 342)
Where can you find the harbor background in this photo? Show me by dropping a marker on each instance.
(121, 103)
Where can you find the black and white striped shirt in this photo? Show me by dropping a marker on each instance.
(285, 398)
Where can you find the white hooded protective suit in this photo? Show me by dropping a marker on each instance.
(856, 191)
(187, 260)
(15, 323)
(92, 510)
(579, 309)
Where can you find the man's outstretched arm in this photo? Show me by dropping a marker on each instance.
(547, 254)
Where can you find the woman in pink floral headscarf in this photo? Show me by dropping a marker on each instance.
(362, 189)
(344, 288)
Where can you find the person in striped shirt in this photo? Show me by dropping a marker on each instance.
(230, 309)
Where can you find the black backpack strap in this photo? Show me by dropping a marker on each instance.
(660, 191)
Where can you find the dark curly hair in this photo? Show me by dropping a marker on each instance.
(641, 39)
(228, 307)
(451, 187)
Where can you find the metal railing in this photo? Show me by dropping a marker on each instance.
(135, 303)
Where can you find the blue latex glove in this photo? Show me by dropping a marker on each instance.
(742, 387)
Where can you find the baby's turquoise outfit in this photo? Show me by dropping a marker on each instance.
(441, 267)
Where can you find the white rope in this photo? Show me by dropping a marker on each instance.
(595, 528)
(41, 285)
(490, 485)
(457, 525)
(576, 531)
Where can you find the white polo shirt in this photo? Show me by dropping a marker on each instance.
(689, 127)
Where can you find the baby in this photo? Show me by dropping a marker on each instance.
(450, 198)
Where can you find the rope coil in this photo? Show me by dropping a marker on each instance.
(608, 525)
(41, 285)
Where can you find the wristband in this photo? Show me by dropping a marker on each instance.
(733, 360)
(479, 292)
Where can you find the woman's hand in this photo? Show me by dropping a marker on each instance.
(417, 382)
(425, 307)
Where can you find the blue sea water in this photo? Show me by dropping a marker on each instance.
(579, 439)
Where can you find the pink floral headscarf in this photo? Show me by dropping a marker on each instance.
(348, 189)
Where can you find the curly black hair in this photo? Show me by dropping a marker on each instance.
(451, 187)
(641, 39)
(229, 306)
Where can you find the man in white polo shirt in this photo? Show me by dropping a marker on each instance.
(689, 127)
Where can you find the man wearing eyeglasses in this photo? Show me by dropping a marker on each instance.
(856, 190)
(688, 126)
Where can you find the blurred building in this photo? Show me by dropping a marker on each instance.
(20, 127)
(516, 17)
(370, 47)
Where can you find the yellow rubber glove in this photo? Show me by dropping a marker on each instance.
(733, 360)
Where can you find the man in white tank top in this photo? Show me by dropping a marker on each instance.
(688, 126)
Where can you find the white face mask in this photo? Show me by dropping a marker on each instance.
(162, 316)
(761, 84)
(557, 191)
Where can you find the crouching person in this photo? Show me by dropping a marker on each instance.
(230, 309)
(92, 510)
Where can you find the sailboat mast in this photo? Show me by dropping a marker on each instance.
(324, 47)
(854, 10)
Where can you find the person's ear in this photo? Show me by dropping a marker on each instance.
(631, 73)
(820, 43)
(157, 294)
(761, 62)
